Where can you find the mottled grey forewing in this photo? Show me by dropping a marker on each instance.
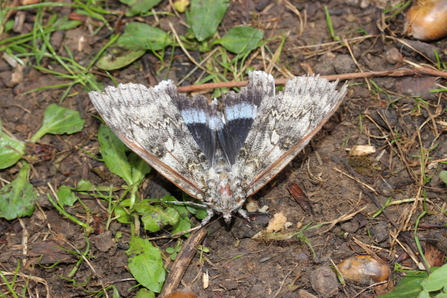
(149, 123)
(285, 123)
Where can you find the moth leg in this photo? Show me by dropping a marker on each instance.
(185, 203)
(243, 213)
(207, 219)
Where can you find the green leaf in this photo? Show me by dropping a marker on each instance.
(149, 224)
(443, 176)
(66, 196)
(424, 294)
(143, 207)
(145, 293)
(59, 120)
(116, 293)
(146, 264)
(119, 58)
(64, 23)
(141, 36)
(122, 215)
(199, 213)
(169, 216)
(170, 250)
(436, 280)
(203, 249)
(84, 185)
(113, 152)
(410, 285)
(9, 25)
(11, 150)
(183, 223)
(139, 168)
(206, 16)
(241, 39)
(17, 198)
(156, 217)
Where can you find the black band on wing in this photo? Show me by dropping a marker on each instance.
(233, 135)
(201, 120)
(240, 110)
(223, 127)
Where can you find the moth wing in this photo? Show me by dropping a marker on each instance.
(200, 118)
(149, 123)
(225, 124)
(239, 111)
(284, 124)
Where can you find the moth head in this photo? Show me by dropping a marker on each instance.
(228, 206)
(227, 217)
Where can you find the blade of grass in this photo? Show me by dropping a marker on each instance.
(418, 243)
(329, 24)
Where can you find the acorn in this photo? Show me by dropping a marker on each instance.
(427, 20)
(184, 293)
(364, 270)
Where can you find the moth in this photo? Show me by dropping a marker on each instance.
(220, 152)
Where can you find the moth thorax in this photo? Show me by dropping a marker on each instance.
(225, 189)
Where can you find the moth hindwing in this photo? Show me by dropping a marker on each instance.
(219, 152)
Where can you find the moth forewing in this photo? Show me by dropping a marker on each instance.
(293, 118)
(149, 123)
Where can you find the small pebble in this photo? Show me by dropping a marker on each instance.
(344, 64)
(393, 56)
(324, 282)
(305, 294)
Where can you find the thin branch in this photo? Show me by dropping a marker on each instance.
(347, 76)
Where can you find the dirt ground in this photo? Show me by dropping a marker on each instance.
(397, 116)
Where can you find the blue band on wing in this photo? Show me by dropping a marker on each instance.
(194, 116)
(240, 111)
(215, 123)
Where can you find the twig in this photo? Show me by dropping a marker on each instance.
(370, 287)
(183, 48)
(346, 76)
(200, 64)
(358, 181)
(344, 217)
(182, 261)
(284, 280)
(176, 235)
(346, 42)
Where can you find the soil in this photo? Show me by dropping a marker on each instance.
(397, 116)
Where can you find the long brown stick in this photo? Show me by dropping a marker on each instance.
(182, 261)
(346, 76)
